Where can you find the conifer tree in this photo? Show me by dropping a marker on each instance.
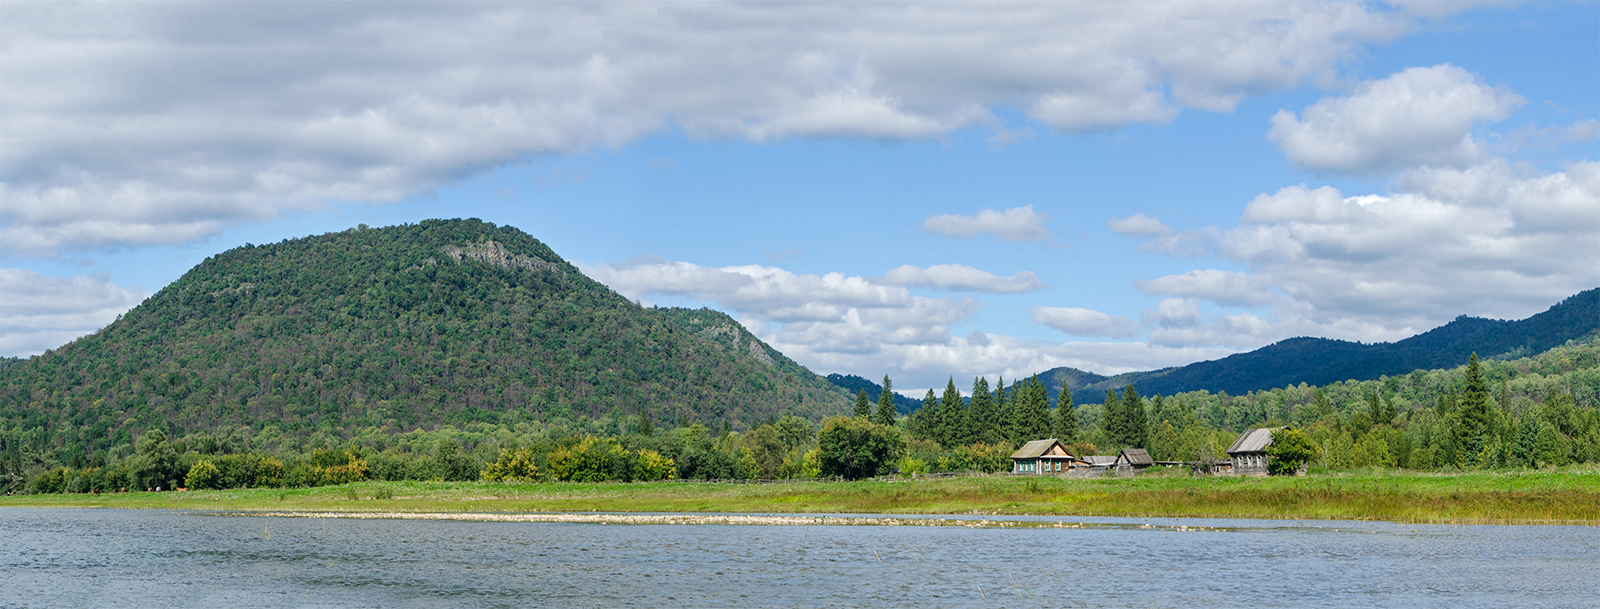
(980, 413)
(1473, 429)
(1066, 420)
(1111, 420)
(886, 413)
(924, 422)
(952, 416)
(1137, 422)
(1324, 407)
(1005, 411)
(863, 410)
(1032, 411)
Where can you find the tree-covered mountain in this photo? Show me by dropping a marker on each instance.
(855, 384)
(1320, 361)
(405, 326)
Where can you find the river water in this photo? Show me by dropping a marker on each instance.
(138, 558)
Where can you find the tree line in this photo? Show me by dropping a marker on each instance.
(1538, 411)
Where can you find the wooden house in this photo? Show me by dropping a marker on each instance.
(1249, 452)
(1131, 460)
(1042, 457)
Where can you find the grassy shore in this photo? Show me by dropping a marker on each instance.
(1567, 496)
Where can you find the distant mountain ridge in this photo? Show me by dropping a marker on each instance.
(1319, 361)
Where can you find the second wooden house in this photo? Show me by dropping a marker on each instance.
(1043, 457)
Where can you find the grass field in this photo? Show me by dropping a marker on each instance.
(1570, 495)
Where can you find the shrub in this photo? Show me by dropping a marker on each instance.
(855, 448)
(650, 465)
(204, 475)
(1290, 449)
(512, 466)
(591, 460)
(52, 481)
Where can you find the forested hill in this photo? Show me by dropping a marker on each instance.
(1319, 361)
(414, 325)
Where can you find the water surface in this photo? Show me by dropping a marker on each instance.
(141, 558)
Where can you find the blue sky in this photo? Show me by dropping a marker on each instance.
(921, 190)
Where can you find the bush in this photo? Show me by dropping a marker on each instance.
(325, 467)
(1290, 449)
(512, 466)
(449, 464)
(650, 465)
(591, 460)
(50, 482)
(856, 448)
(203, 476)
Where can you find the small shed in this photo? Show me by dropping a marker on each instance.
(1133, 459)
(1249, 452)
(1100, 463)
(1042, 457)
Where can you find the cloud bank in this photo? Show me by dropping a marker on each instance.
(1458, 231)
(161, 123)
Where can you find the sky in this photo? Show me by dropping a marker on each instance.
(923, 190)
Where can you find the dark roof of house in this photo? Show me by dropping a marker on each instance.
(1034, 449)
(1137, 456)
(1099, 459)
(1253, 440)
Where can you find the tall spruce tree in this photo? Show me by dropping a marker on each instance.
(1066, 420)
(1005, 407)
(1323, 406)
(863, 408)
(886, 413)
(980, 413)
(1111, 418)
(1473, 428)
(952, 416)
(1032, 411)
(923, 422)
(1138, 422)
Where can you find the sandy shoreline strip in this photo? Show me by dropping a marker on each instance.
(680, 519)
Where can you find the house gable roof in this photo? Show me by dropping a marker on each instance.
(1136, 456)
(1036, 448)
(1253, 440)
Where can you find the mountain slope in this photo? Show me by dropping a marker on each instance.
(442, 321)
(1319, 361)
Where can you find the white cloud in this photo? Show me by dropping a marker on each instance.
(1484, 240)
(1225, 287)
(962, 278)
(1138, 225)
(1174, 313)
(831, 312)
(1585, 130)
(1239, 331)
(1084, 322)
(149, 123)
(1416, 117)
(839, 323)
(38, 312)
(1015, 224)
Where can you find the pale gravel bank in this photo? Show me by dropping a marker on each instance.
(710, 519)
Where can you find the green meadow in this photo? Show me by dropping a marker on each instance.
(1570, 495)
